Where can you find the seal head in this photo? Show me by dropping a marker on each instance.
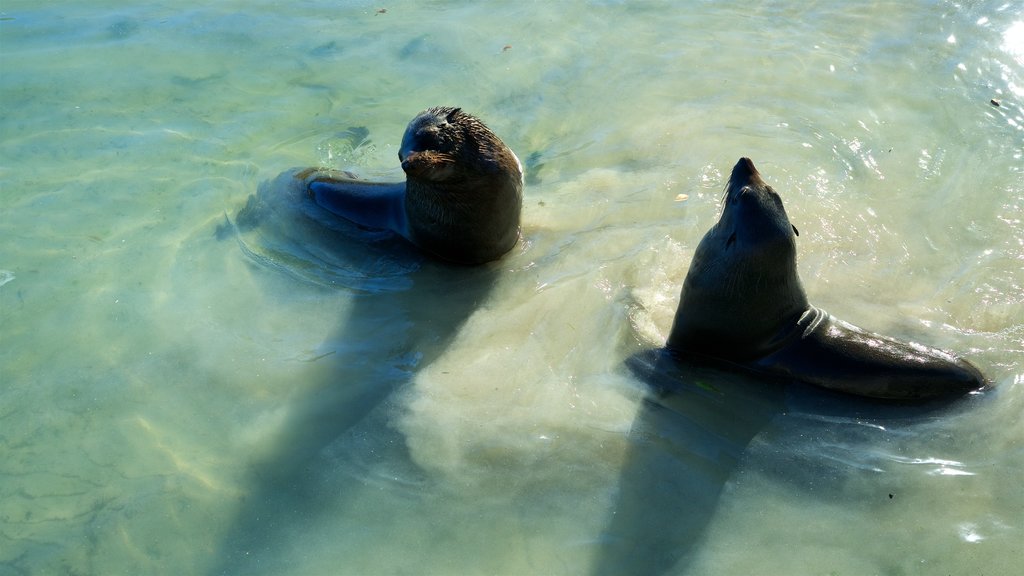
(462, 197)
(742, 304)
(746, 262)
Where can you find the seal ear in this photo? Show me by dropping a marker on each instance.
(795, 231)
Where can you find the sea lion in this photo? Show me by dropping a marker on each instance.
(742, 304)
(462, 197)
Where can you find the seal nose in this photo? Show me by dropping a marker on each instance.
(744, 173)
(744, 168)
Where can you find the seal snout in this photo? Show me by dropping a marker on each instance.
(431, 130)
(748, 164)
(744, 173)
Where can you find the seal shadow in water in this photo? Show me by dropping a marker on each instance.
(686, 441)
(743, 313)
(369, 359)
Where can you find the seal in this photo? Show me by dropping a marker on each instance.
(461, 199)
(742, 304)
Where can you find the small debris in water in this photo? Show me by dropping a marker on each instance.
(506, 48)
(381, 11)
(994, 102)
(315, 358)
(681, 197)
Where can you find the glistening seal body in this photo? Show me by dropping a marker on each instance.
(462, 197)
(743, 304)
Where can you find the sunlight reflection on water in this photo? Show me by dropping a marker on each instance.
(1013, 41)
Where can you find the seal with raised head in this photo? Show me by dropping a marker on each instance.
(462, 197)
(742, 304)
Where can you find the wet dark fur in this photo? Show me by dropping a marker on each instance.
(742, 304)
(463, 187)
(462, 197)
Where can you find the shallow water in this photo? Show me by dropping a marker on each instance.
(183, 392)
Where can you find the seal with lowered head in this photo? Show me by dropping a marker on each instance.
(462, 197)
(742, 304)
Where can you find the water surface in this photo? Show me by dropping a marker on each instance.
(186, 391)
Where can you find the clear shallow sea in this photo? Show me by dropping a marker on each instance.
(186, 392)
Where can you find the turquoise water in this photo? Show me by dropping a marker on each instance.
(185, 391)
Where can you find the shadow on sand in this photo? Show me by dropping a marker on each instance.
(686, 441)
(405, 311)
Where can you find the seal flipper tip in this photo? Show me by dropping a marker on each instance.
(842, 357)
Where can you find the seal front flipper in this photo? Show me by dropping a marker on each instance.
(378, 205)
(840, 356)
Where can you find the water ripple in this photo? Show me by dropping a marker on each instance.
(942, 467)
(279, 228)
